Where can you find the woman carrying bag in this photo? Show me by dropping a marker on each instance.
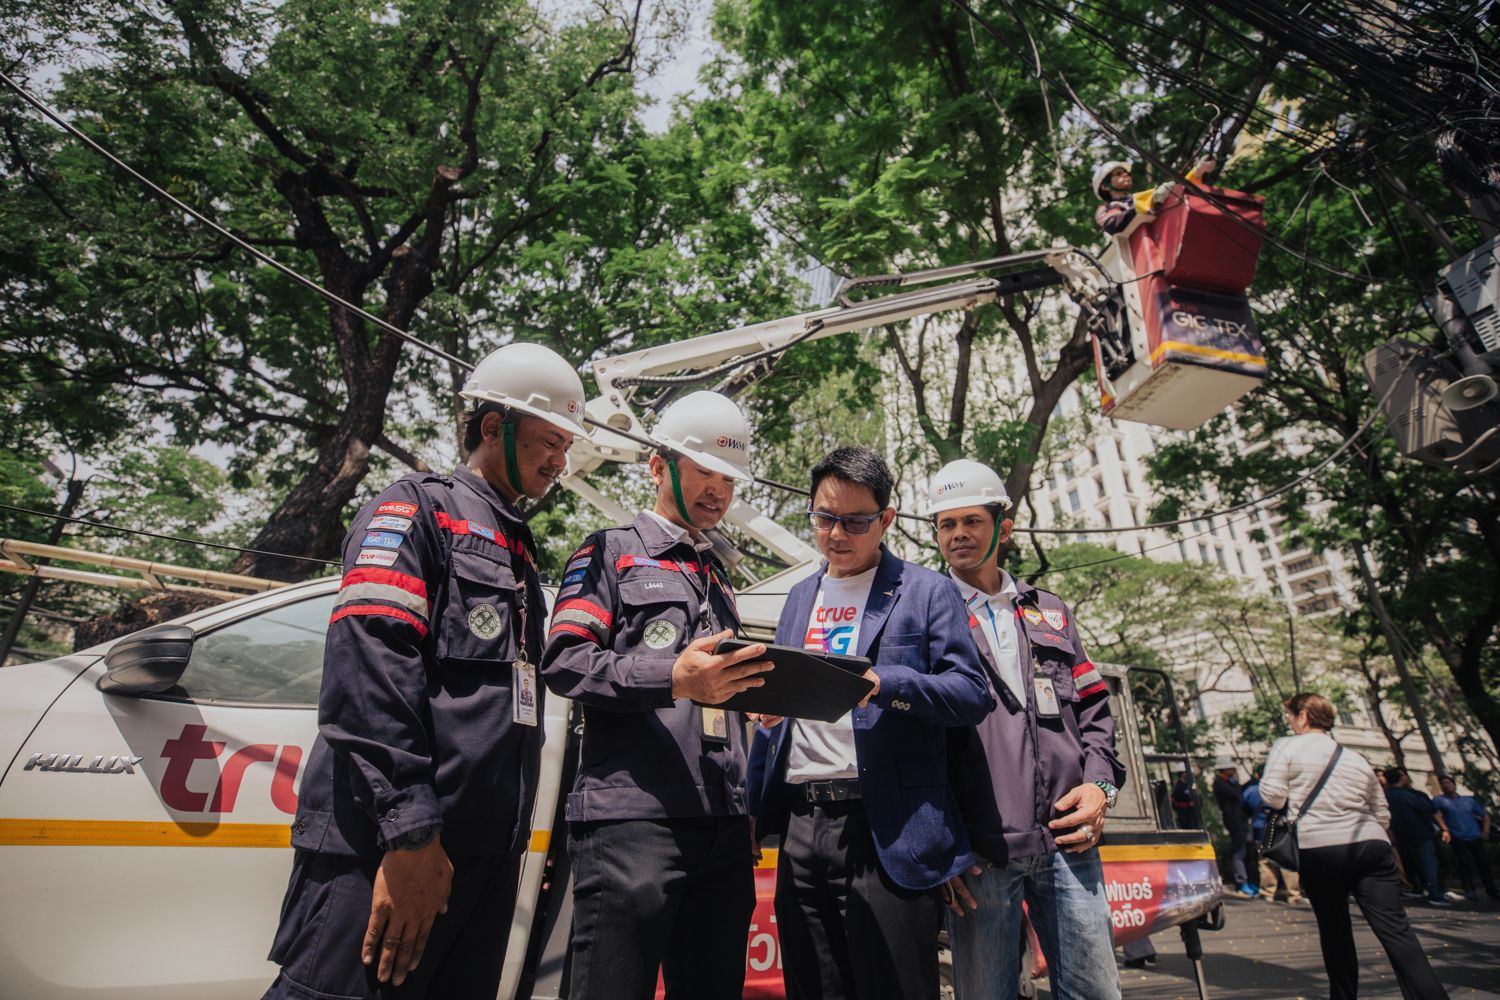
(1339, 819)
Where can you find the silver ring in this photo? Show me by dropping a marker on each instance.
(1088, 832)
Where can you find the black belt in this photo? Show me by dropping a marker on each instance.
(836, 790)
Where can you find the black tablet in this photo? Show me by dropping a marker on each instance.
(806, 684)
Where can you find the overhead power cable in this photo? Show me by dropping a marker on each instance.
(265, 258)
(166, 538)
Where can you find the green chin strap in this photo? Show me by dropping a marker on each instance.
(994, 540)
(512, 466)
(677, 492)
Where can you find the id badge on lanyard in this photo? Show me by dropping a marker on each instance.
(523, 689)
(1047, 705)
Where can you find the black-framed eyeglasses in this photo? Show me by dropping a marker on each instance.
(854, 524)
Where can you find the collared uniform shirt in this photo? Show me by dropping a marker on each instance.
(996, 615)
(632, 599)
(416, 726)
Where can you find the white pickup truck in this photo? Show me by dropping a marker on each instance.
(144, 838)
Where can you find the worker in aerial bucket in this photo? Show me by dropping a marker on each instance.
(1121, 205)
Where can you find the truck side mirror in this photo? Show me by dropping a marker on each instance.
(147, 662)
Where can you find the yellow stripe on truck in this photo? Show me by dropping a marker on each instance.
(125, 833)
(1155, 852)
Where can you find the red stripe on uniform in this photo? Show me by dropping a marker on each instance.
(1093, 689)
(457, 527)
(369, 574)
(572, 629)
(604, 617)
(625, 562)
(1082, 668)
(383, 610)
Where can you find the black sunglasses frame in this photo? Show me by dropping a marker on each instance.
(849, 521)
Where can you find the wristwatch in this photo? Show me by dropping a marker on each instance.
(1111, 793)
(413, 840)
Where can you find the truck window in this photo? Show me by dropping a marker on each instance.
(272, 658)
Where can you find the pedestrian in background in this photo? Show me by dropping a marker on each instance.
(1407, 885)
(1343, 849)
(1412, 819)
(1470, 826)
(1185, 803)
(1269, 872)
(1227, 796)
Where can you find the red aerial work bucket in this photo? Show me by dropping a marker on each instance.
(1203, 243)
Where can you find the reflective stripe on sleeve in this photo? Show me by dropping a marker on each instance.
(373, 584)
(571, 629)
(1087, 679)
(583, 614)
(359, 610)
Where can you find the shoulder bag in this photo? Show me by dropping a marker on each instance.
(1281, 833)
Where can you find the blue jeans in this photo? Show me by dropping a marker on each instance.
(1065, 896)
(1421, 862)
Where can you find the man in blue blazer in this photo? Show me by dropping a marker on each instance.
(868, 824)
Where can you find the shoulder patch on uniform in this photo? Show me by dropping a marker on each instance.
(1055, 618)
(577, 564)
(1032, 615)
(376, 557)
(383, 540)
(389, 522)
(397, 507)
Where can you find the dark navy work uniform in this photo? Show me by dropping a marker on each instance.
(1011, 768)
(1040, 743)
(658, 833)
(428, 717)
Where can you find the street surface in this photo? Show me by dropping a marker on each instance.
(1269, 951)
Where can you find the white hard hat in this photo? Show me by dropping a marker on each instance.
(531, 379)
(1224, 762)
(1103, 170)
(965, 483)
(709, 429)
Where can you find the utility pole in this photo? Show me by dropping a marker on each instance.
(1393, 641)
(34, 583)
(1291, 640)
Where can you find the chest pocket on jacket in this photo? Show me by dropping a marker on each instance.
(480, 620)
(1054, 659)
(658, 612)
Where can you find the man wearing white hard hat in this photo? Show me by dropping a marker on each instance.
(414, 807)
(1111, 182)
(1034, 779)
(659, 835)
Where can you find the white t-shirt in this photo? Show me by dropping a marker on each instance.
(820, 751)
